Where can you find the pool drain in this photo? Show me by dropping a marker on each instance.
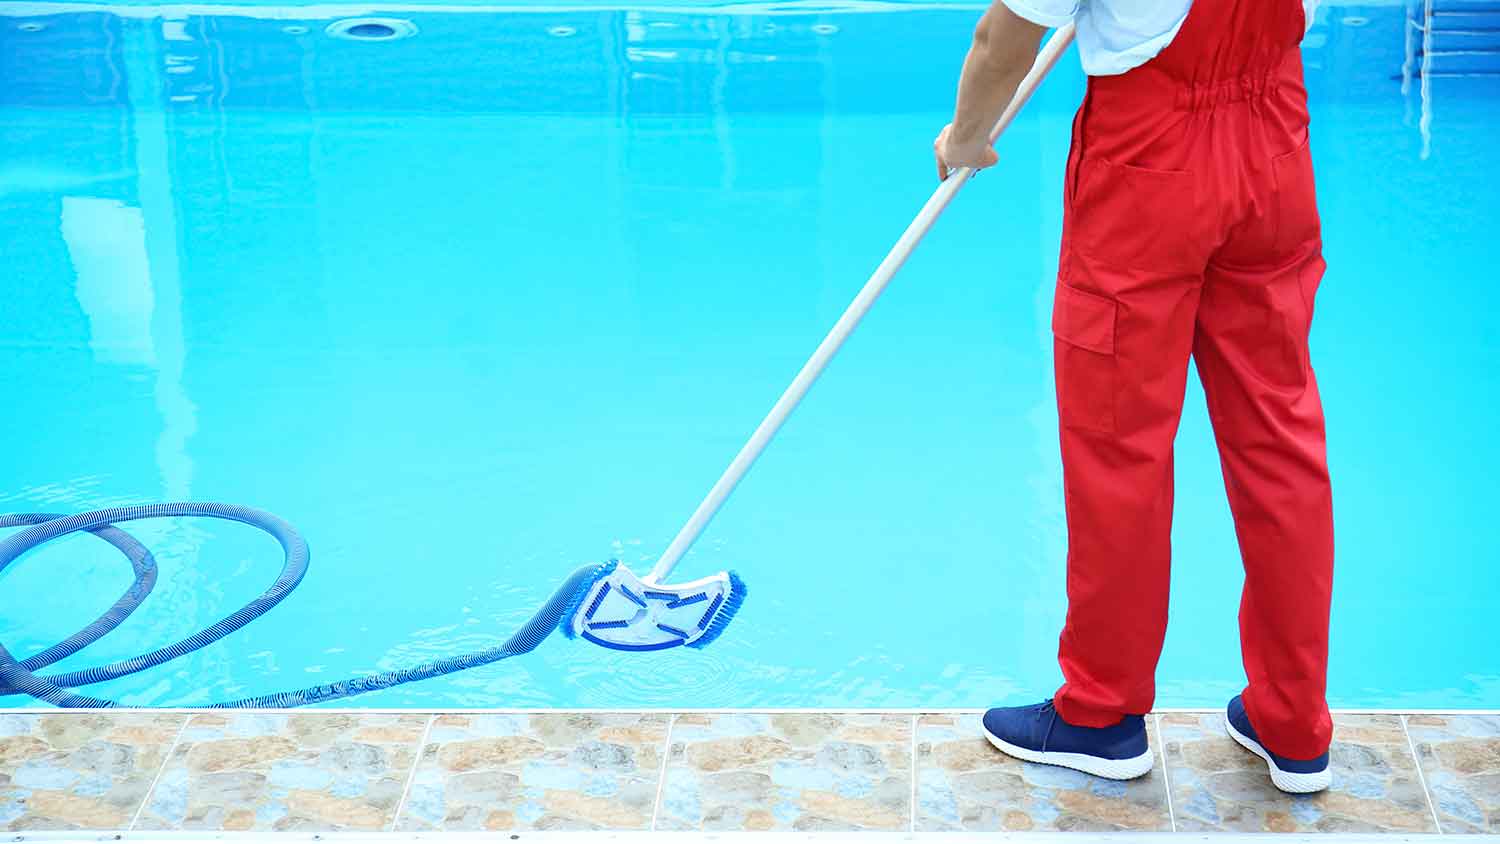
(31, 26)
(372, 29)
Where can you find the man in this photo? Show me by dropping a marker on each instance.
(1190, 231)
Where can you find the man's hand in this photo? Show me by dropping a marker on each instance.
(953, 153)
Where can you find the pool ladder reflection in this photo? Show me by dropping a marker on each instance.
(1445, 31)
(1464, 37)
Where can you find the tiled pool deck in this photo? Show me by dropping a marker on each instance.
(324, 771)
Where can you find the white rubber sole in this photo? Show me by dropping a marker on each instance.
(1285, 780)
(1110, 769)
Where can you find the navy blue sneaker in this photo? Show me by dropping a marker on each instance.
(1038, 734)
(1290, 775)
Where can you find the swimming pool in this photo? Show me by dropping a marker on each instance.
(481, 304)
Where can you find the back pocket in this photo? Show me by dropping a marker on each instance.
(1137, 218)
(1083, 328)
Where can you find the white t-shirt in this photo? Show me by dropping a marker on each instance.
(1117, 35)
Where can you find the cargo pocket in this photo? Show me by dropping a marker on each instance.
(1083, 325)
(1296, 200)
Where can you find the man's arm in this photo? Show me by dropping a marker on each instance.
(1004, 48)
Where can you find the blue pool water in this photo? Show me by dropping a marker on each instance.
(477, 306)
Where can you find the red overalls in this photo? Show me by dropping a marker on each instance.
(1191, 230)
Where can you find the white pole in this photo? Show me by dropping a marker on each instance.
(847, 323)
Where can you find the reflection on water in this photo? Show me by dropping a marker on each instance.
(153, 166)
(107, 244)
(474, 307)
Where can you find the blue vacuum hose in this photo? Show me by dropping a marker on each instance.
(20, 677)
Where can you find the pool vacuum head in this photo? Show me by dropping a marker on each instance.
(623, 612)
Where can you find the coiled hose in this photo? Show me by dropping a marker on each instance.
(20, 677)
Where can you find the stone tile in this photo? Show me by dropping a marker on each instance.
(803, 772)
(79, 770)
(964, 784)
(1460, 756)
(1218, 785)
(293, 771)
(540, 771)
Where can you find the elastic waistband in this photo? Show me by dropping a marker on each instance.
(1165, 88)
(1197, 96)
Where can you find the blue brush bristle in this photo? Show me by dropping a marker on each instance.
(565, 622)
(732, 603)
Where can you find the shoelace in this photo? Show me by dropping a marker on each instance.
(1047, 710)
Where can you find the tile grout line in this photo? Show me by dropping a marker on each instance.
(1166, 773)
(156, 780)
(1422, 777)
(661, 775)
(912, 809)
(411, 776)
